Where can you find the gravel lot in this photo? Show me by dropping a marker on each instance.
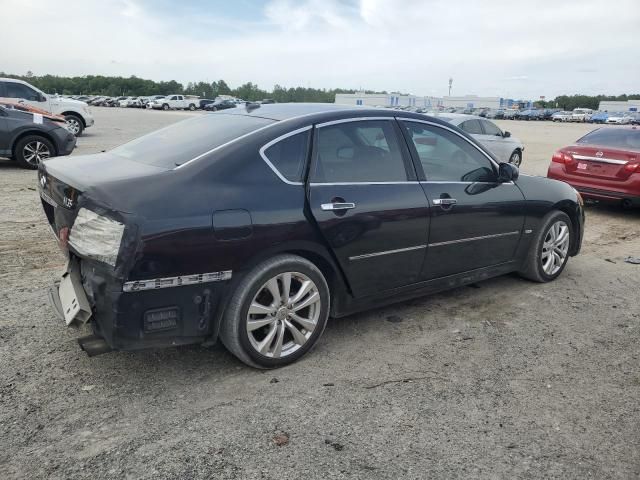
(504, 379)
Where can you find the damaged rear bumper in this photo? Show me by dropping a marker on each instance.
(126, 319)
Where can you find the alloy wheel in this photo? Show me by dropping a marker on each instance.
(555, 247)
(36, 151)
(515, 159)
(283, 314)
(73, 125)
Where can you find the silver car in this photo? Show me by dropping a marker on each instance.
(505, 147)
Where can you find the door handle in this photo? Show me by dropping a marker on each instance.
(337, 206)
(444, 202)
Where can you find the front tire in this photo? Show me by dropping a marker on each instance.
(31, 150)
(549, 251)
(74, 124)
(165, 107)
(277, 313)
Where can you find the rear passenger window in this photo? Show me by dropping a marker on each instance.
(288, 156)
(472, 127)
(361, 151)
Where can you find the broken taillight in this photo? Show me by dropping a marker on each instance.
(63, 237)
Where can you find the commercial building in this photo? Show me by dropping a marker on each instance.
(398, 100)
(387, 100)
(614, 106)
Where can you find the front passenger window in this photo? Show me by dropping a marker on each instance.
(446, 157)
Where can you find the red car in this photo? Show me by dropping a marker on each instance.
(603, 165)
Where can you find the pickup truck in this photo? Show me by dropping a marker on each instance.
(76, 113)
(581, 114)
(563, 116)
(174, 102)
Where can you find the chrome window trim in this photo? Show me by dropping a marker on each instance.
(600, 159)
(353, 119)
(230, 142)
(433, 124)
(386, 252)
(472, 239)
(329, 184)
(273, 142)
(464, 183)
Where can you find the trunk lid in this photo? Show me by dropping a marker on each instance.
(593, 161)
(63, 181)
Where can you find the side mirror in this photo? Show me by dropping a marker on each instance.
(506, 134)
(507, 172)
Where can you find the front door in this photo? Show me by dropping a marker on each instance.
(476, 221)
(367, 203)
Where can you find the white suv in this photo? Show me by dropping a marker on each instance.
(77, 113)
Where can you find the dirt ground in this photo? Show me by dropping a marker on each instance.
(505, 379)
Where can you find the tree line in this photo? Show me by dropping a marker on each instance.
(134, 87)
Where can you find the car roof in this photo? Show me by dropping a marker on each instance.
(318, 112)
(6, 79)
(456, 118)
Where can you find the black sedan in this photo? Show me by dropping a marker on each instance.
(29, 138)
(256, 224)
(220, 105)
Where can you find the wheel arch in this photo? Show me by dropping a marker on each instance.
(569, 208)
(316, 254)
(27, 133)
(75, 114)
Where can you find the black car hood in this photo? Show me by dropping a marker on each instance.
(89, 171)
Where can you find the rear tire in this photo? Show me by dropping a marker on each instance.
(192, 107)
(29, 151)
(280, 329)
(165, 106)
(516, 158)
(549, 250)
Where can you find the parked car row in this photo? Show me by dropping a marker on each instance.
(166, 102)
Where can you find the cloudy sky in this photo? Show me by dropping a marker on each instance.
(510, 48)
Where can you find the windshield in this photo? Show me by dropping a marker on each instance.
(627, 139)
(185, 140)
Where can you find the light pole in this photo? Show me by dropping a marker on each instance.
(450, 83)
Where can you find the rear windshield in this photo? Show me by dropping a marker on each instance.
(626, 139)
(185, 140)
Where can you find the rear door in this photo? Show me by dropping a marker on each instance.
(476, 221)
(370, 208)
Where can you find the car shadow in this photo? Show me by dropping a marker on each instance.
(192, 363)
(613, 210)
